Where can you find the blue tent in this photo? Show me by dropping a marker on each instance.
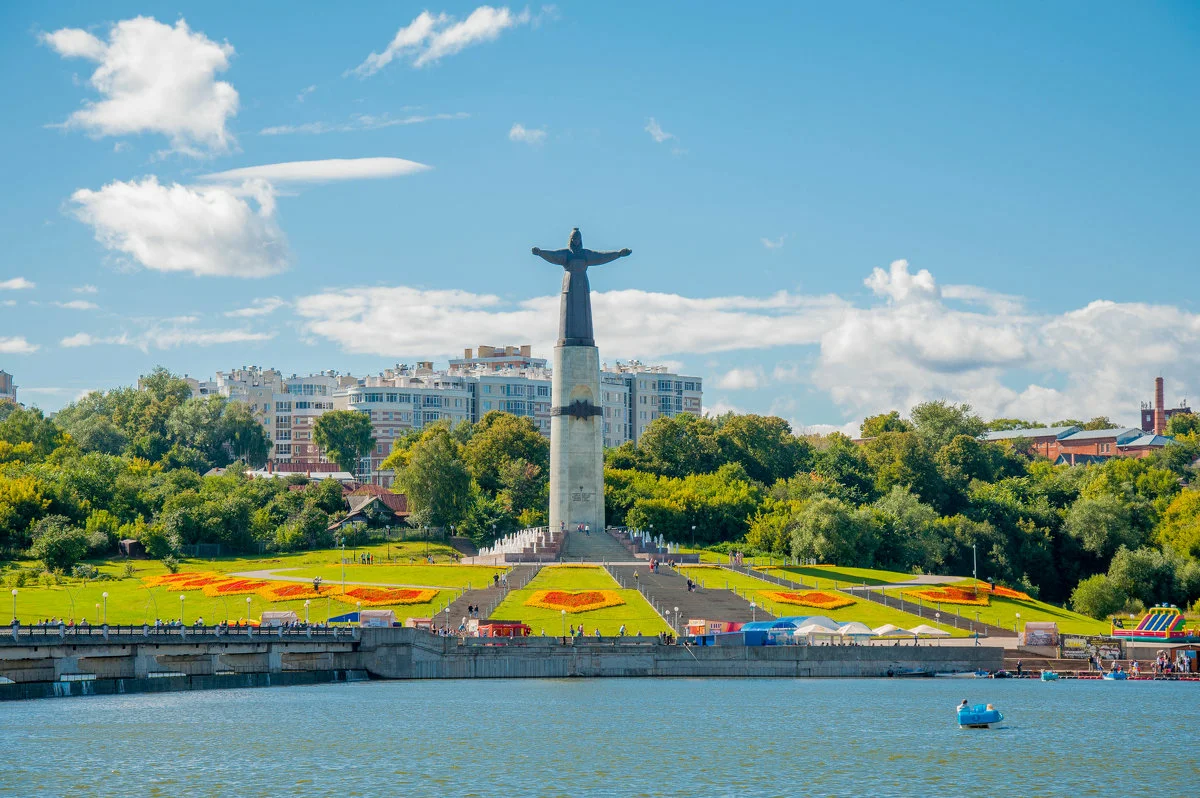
(768, 633)
(350, 617)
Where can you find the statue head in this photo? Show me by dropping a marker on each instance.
(576, 242)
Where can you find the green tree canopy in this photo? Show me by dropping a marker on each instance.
(1181, 424)
(939, 422)
(345, 437)
(873, 426)
(1097, 597)
(435, 479)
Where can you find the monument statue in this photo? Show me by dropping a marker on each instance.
(575, 309)
(576, 412)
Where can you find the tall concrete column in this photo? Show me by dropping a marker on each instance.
(576, 440)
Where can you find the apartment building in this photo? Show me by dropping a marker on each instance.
(8, 391)
(654, 391)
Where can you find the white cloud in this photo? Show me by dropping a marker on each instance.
(16, 284)
(166, 335)
(86, 289)
(776, 243)
(430, 37)
(305, 92)
(324, 171)
(16, 345)
(207, 230)
(154, 78)
(258, 307)
(720, 408)
(9, 303)
(909, 344)
(77, 304)
(742, 379)
(359, 122)
(519, 132)
(656, 132)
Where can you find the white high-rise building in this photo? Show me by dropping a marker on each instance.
(8, 391)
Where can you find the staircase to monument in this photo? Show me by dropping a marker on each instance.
(487, 599)
(667, 590)
(596, 547)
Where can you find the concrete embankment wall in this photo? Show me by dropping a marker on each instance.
(172, 684)
(407, 654)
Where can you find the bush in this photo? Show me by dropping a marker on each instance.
(57, 543)
(127, 571)
(84, 571)
(171, 563)
(1098, 597)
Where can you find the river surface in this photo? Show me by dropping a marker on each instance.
(728, 737)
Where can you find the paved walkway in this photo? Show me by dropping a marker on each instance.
(667, 590)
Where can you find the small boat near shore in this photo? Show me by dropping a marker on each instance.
(1049, 676)
(1116, 676)
(980, 716)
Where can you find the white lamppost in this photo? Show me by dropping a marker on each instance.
(1017, 623)
(753, 611)
(97, 606)
(247, 610)
(104, 596)
(181, 600)
(306, 603)
(678, 625)
(447, 617)
(14, 594)
(669, 623)
(937, 619)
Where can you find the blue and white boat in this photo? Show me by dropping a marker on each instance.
(980, 716)
(1116, 676)
(1049, 676)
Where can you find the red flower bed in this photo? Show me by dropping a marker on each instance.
(384, 596)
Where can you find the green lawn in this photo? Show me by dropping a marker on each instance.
(832, 576)
(636, 613)
(1003, 612)
(450, 576)
(867, 612)
(131, 602)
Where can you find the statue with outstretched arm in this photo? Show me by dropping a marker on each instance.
(575, 309)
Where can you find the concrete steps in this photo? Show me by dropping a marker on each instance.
(596, 547)
(667, 589)
(486, 598)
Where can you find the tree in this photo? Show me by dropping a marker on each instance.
(1097, 597)
(764, 446)
(435, 479)
(345, 437)
(1180, 525)
(1006, 424)
(1182, 424)
(902, 458)
(831, 531)
(911, 537)
(500, 438)
(873, 426)
(58, 543)
(1101, 525)
(938, 422)
(30, 426)
(675, 446)
(1148, 574)
(1099, 422)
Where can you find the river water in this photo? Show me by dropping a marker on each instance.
(734, 737)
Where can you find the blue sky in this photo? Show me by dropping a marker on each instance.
(834, 210)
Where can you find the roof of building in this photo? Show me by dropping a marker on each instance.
(1118, 433)
(1036, 432)
(1147, 439)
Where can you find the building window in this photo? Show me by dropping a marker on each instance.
(283, 435)
(283, 448)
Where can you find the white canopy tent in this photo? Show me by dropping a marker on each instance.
(891, 630)
(929, 631)
(811, 630)
(856, 630)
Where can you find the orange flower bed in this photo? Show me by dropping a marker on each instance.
(191, 580)
(950, 595)
(822, 601)
(233, 587)
(575, 601)
(384, 596)
(1002, 592)
(293, 591)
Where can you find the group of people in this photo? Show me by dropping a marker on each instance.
(736, 559)
(472, 612)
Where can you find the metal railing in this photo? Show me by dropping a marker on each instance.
(45, 634)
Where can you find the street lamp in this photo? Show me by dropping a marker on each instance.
(1018, 623)
(427, 541)
(306, 603)
(678, 625)
(247, 610)
(181, 599)
(15, 603)
(564, 614)
(104, 596)
(447, 618)
(343, 566)
(693, 536)
(753, 611)
(97, 606)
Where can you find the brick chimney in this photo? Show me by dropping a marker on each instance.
(1160, 413)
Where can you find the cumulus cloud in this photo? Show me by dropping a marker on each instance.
(259, 307)
(911, 342)
(359, 122)
(773, 243)
(656, 132)
(325, 171)
(742, 379)
(431, 37)
(16, 345)
(305, 92)
(206, 231)
(16, 284)
(77, 304)
(154, 78)
(519, 132)
(85, 289)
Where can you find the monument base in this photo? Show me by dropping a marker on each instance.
(576, 440)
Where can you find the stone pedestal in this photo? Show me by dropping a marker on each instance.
(576, 440)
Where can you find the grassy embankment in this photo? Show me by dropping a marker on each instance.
(867, 612)
(636, 613)
(130, 601)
